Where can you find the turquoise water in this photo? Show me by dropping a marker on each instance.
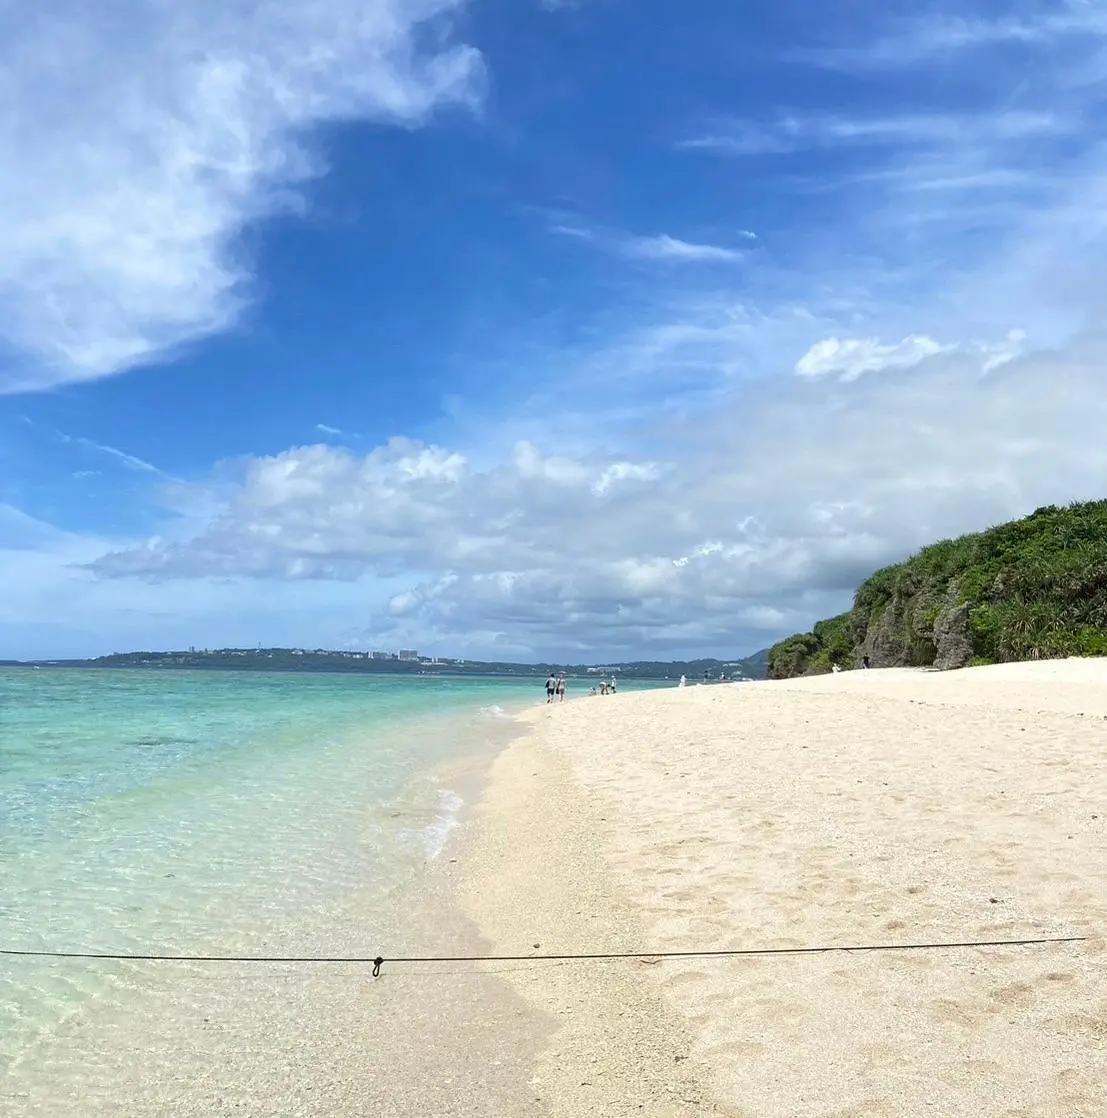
(193, 812)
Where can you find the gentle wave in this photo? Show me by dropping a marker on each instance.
(438, 833)
(494, 712)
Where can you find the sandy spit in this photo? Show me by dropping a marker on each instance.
(866, 807)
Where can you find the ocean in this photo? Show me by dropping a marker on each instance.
(212, 812)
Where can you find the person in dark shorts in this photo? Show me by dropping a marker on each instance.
(551, 687)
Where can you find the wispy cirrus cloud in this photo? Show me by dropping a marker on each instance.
(924, 38)
(129, 461)
(854, 357)
(662, 246)
(134, 151)
(794, 133)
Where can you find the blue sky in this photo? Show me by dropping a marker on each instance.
(577, 329)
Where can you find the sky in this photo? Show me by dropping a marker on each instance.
(570, 329)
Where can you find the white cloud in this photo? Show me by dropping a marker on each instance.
(762, 515)
(135, 149)
(660, 247)
(791, 133)
(573, 231)
(915, 193)
(664, 247)
(1000, 353)
(618, 472)
(922, 39)
(855, 357)
(129, 461)
(740, 138)
(327, 429)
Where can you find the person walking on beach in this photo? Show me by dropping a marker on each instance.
(551, 687)
(560, 688)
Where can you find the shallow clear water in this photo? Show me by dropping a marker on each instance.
(202, 812)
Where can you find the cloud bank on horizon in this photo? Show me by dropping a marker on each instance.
(400, 323)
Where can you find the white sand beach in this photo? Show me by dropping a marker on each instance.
(873, 807)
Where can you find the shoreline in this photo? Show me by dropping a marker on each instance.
(862, 807)
(326, 1040)
(535, 881)
(865, 807)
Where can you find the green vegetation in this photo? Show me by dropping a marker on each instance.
(1031, 589)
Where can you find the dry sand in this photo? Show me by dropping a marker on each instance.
(864, 807)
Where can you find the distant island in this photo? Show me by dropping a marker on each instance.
(405, 662)
(1031, 589)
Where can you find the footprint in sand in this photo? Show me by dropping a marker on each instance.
(954, 1013)
(1019, 995)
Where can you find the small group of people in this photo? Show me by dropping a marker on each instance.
(555, 686)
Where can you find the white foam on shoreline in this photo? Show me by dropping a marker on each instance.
(437, 834)
(494, 712)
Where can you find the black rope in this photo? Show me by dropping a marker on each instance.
(380, 960)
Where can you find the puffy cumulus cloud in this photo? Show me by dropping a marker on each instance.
(753, 521)
(322, 512)
(137, 139)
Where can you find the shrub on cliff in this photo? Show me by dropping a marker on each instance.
(1031, 589)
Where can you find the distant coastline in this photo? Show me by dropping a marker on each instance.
(319, 660)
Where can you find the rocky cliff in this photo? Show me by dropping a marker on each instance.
(1031, 589)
